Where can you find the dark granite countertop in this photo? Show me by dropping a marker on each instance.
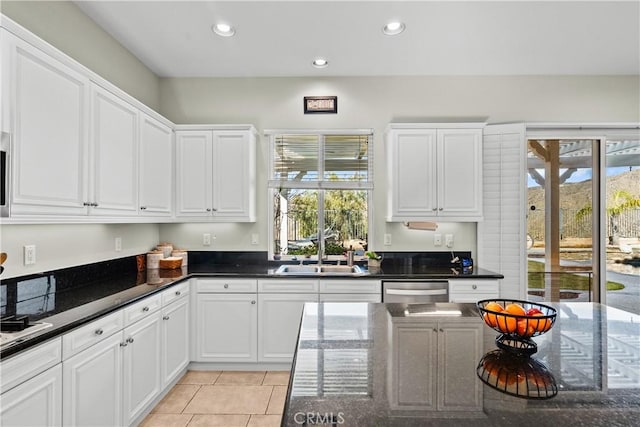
(352, 367)
(70, 297)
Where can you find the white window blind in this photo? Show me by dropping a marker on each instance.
(322, 160)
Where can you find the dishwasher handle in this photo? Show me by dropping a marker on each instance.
(416, 292)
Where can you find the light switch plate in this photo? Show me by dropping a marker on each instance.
(437, 239)
(29, 254)
(387, 239)
(118, 244)
(448, 240)
(254, 238)
(206, 239)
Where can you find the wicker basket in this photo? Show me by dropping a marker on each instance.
(171, 263)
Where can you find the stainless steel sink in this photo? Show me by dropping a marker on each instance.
(321, 270)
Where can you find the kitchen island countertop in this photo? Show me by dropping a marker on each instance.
(368, 365)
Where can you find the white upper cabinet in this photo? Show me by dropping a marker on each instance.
(49, 126)
(216, 173)
(434, 172)
(80, 148)
(156, 167)
(114, 143)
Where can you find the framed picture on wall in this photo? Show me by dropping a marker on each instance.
(320, 104)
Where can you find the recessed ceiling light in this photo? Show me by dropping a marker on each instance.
(320, 63)
(224, 30)
(393, 28)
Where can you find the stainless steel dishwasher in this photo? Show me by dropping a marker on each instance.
(419, 291)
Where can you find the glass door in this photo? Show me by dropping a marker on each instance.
(621, 223)
(559, 219)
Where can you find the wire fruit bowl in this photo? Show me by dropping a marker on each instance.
(516, 330)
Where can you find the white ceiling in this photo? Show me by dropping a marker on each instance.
(174, 38)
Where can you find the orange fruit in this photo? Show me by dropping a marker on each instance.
(524, 327)
(516, 309)
(540, 325)
(490, 318)
(507, 324)
(493, 306)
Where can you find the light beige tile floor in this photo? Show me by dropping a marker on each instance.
(222, 398)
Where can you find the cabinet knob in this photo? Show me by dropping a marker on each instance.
(253, 302)
(474, 286)
(86, 204)
(95, 205)
(130, 340)
(440, 209)
(123, 344)
(99, 332)
(208, 209)
(178, 293)
(226, 286)
(145, 309)
(215, 210)
(435, 330)
(143, 208)
(165, 318)
(441, 330)
(434, 209)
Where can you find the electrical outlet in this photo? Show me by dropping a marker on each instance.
(254, 238)
(206, 239)
(29, 254)
(437, 239)
(387, 239)
(118, 244)
(448, 240)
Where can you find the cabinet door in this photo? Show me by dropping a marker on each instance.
(175, 339)
(412, 173)
(226, 328)
(49, 130)
(459, 350)
(141, 366)
(233, 175)
(279, 317)
(156, 167)
(460, 172)
(36, 402)
(93, 385)
(114, 142)
(193, 173)
(413, 366)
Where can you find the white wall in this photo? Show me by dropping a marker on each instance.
(373, 102)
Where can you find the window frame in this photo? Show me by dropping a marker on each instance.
(321, 185)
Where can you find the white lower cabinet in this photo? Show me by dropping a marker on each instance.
(175, 339)
(141, 366)
(36, 402)
(93, 385)
(226, 327)
(424, 365)
(279, 317)
(112, 376)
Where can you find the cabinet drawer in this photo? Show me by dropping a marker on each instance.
(142, 309)
(473, 286)
(227, 285)
(23, 366)
(350, 298)
(175, 292)
(288, 285)
(464, 290)
(90, 334)
(347, 286)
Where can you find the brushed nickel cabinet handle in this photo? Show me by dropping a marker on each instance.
(130, 340)
(474, 286)
(145, 309)
(165, 318)
(99, 332)
(226, 286)
(178, 293)
(123, 344)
